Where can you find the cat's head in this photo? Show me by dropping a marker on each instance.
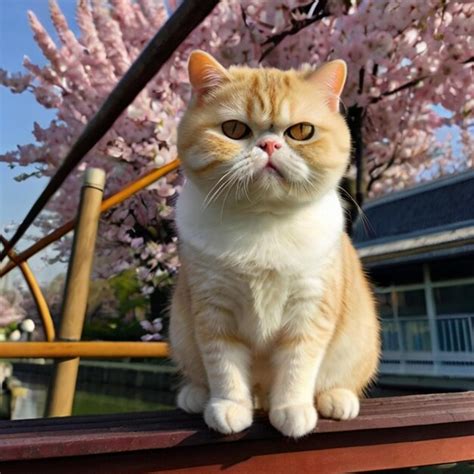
(263, 137)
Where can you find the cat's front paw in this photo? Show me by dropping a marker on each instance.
(338, 403)
(192, 398)
(294, 420)
(227, 416)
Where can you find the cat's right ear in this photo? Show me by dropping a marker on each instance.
(205, 73)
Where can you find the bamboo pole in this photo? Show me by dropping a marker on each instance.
(111, 201)
(87, 349)
(63, 382)
(40, 301)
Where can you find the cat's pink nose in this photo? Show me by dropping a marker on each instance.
(269, 145)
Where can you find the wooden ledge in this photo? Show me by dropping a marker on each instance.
(389, 433)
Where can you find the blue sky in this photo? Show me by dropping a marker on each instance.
(19, 111)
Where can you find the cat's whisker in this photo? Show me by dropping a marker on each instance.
(232, 182)
(246, 187)
(219, 191)
(209, 198)
(360, 212)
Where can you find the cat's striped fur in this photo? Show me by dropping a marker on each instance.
(271, 307)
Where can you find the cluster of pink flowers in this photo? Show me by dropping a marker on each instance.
(11, 310)
(407, 61)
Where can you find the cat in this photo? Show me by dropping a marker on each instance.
(271, 308)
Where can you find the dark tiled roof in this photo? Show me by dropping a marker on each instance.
(444, 204)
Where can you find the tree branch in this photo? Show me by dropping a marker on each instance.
(385, 166)
(407, 85)
(320, 12)
(361, 80)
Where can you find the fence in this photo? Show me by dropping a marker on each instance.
(428, 328)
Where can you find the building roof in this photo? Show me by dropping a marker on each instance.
(424, 218)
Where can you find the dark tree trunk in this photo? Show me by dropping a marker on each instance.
(356, 190)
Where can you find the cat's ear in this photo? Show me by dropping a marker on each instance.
(205, 73)
(332, 77)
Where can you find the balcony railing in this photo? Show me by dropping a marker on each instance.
(408, 348)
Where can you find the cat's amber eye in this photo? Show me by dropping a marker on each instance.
(235, 129)
(301, 131)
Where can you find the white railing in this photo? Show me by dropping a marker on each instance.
(408, 348)
(455, 333)
(428, 343)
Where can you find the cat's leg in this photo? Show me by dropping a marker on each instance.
(336, 394)
(338, 403)
(192, 398)
(227, 361)
(193, 393)
(297, 359)
(349, 365)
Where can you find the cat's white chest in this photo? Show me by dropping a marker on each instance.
(268, 292)
(254, 265)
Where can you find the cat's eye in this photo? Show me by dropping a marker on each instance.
(301, 131)
(235, 129)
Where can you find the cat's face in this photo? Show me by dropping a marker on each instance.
(263, 137)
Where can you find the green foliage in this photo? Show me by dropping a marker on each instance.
(115, 308)
(86, 403)
(114, 329)
(127, 291)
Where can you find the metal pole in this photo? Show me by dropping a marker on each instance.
(63, 382)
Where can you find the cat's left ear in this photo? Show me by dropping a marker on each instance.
(205, 73)
(332, 77)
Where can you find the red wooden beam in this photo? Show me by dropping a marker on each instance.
(389, 433)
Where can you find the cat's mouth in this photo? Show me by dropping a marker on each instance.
(271, 169)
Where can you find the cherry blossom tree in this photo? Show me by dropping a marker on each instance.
(410, 73)
(11, 313)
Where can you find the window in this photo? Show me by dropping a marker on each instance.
(411, 303)
(397, 275)
(384, 305)
(416, 335)
(390, 336)
(454, 299)
(452, 269)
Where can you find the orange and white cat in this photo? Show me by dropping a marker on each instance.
(271, 308)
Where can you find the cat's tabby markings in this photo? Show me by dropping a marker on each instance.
(271, 308)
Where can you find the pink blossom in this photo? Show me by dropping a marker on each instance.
(387, 44)
(11, 310)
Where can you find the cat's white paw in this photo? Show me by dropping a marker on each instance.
(192, 398)
(294, 420)
(338, 403)
(227, 416)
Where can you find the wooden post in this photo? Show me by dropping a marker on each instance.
(63, 381)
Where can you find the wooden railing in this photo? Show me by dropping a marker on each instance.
(389, 433)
